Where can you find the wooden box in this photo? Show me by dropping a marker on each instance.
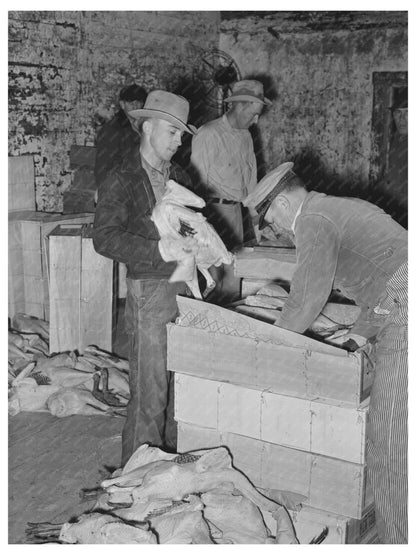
(262, 263)
(81, 292)
(220, 344)
(309, 523)
(21, 180)
(27, 259)
(333, 430)
(328, 484)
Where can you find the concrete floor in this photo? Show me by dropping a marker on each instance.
(51, 459)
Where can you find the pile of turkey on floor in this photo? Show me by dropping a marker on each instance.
(63, 384)
(192, 498)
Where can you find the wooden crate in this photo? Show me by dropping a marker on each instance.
(334, 430)
(263, 263)
(309, 523)
(281, 369)
(28, 259)
(81, 292)
(21, 180)
(328, 484)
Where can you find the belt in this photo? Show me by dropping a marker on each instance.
(222, 201)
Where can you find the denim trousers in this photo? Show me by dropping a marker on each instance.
(150, 305)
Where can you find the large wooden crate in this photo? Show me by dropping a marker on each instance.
(334, 430)
(219, 344)
(81, 292)
(21, 181)
(28, 259)
(327, 483)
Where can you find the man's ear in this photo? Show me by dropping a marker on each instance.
(282, 201)
(147, 127)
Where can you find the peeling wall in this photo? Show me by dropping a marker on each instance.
(66, 69)
(318, 69)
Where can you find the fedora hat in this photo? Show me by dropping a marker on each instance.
(167, 106)
(248, 91)
(267, 190)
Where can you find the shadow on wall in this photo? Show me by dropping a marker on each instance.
(308, 165)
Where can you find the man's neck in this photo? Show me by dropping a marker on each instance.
(150, 157)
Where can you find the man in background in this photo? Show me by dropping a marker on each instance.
(117, 137)
(224, 159)
(123, 231)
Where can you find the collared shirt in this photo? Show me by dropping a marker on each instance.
(158, 178)
(292, 227)
(224, 159)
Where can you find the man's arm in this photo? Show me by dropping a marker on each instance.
(317, 248)
(111, 237)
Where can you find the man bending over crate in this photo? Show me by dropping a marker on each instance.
(353, 246)
(124, 232)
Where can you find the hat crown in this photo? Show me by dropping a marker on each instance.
(169, 103)
(246, 86)
(248, 90)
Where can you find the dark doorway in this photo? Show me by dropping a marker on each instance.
(389, 157)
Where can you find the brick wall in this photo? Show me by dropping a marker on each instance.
(66, 69)
(318, 69)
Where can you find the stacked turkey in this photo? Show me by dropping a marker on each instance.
(193, 498)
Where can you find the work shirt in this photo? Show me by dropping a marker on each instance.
(158, 178)
(345, 244)
(224, 159)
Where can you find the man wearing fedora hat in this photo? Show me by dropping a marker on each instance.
(353, 246)
(123, 231)
(224, 159)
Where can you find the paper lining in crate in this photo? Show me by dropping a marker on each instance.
(220, 344)
(333, 430)
(28, 259)
(327, 483)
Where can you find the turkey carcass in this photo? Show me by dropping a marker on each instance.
(178, 227)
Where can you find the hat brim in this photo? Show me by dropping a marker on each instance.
(159, 114)
(248, 98)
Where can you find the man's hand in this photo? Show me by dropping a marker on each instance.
(350, 341)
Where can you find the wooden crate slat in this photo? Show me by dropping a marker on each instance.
(309, 523)
(336, 431)
(96, 297)
(21, 183)
(281, 369)
(265, 263)
(329, 484)
(64, 291)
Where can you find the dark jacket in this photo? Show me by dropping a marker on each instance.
(115, 140)
(123, 230)
(346, 244)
